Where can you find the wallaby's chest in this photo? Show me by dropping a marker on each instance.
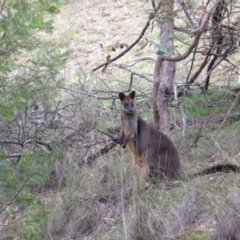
(129, 124)
(126, 128)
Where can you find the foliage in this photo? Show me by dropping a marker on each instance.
(160, 49)
(28, 64)
(29, 79)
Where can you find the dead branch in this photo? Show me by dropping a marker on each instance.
(110, 144)
(155, 8)
(199, 31)
(109, 135)
(180, 29)
(14, 155)
(200, 68)
(133, 73)
(140, 60)
(126, 50)
(39, 143)
(10, 142)
(88, 94)
(191, 66)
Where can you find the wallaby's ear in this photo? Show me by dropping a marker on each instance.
(132, 94)
(121, 96)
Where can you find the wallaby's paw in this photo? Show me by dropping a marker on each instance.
(122, 144)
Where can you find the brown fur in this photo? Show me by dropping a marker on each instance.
(152, 150)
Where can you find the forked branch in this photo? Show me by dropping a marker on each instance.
(199, 31)
(127, 49)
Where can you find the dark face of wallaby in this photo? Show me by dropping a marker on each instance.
(127, 103)
(128, 118)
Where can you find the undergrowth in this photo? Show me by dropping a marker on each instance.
(204, 104)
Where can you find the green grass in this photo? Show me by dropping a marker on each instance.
(193, 235)
(201, 105)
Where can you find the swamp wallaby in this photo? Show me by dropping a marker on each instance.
(152, 150)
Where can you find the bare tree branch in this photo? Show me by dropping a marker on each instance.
(14, 155)
(200, 68)
(199, 31)
(127, 49)
(10, 142)
(156, 8)
(87, 94)
(133, 73)
(192, 62)
(183, 5)
(140, 60)
(39, 142)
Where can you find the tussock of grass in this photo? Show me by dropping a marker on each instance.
(185, 214)
(228, 220)
(108, 201)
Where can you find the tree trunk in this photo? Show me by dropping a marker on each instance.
(164, 71)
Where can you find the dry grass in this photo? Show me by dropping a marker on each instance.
(228, 220)
(109, 202)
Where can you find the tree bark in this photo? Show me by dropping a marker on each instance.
(164, 70)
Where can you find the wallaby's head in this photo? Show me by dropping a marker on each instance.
(127, 102)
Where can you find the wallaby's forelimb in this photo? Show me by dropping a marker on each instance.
(124, 140)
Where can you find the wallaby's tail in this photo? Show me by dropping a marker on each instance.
(225, 168)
